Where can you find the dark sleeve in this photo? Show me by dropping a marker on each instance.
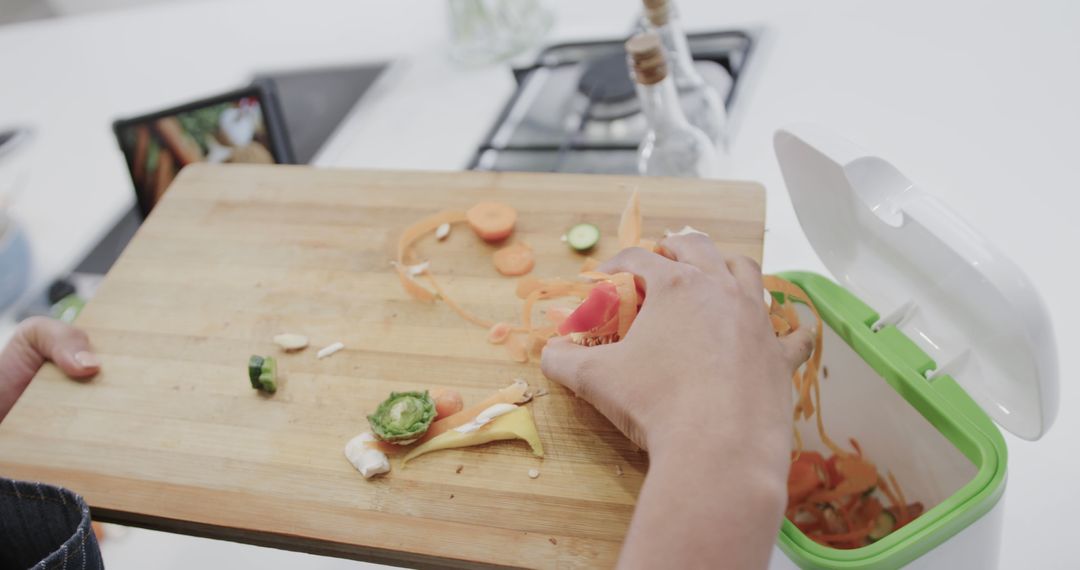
(45, 527)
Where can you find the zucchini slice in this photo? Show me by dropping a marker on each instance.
(255, 364)
(583, 237)
(883, 525)
(268, 376)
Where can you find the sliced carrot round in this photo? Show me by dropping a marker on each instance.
(492, 221)
(447, 403)
(515, 259)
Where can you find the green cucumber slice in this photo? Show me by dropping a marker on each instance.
(268, 376)
(883, 525)
(583, 237)
(255, 364)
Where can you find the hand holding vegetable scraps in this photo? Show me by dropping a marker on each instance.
(703, 383)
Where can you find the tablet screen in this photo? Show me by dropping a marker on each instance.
(231, 128)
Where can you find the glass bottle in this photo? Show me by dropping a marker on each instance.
(672, 146)
(700, 101)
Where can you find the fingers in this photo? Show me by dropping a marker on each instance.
(798, 346)
(645, 264)
(568, 364)
(65, 345)
(697, 250)
(747, 274)
(700, 251)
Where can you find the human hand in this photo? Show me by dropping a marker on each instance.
(701, 360)
(36, 340)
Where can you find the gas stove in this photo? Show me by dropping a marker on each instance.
(576, 110)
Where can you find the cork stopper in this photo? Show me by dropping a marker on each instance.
(657, 11)
(646, 58)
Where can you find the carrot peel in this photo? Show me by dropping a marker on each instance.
(630, 223)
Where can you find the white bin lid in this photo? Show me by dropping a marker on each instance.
(927, 272)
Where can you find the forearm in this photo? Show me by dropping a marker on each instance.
(708, 505)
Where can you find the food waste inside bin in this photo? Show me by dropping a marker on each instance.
(930, 336)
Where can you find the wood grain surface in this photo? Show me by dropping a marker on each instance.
(171, 436)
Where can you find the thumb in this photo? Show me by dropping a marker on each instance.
(40, 339)
(798, 346)
(565, 363)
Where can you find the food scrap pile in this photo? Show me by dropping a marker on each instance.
(836, 501)
(610, 301)
(833, 501)
(412, 424)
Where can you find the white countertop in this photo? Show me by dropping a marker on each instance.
(978, 102)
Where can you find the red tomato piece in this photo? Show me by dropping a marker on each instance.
(599, 307)
(803, 479)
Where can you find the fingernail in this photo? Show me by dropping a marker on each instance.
(87, 359)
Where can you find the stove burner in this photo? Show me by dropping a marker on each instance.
(576, 107)
(606, 83)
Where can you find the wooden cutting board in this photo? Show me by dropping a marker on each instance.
(171, 436)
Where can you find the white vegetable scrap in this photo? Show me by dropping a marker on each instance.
(290, 342)
(685, 231)
(368, 460)
(534, 473)
(527, 395)
(415, 270)
(330, 350)
(418, 269)
(442, 231)
(485, 417)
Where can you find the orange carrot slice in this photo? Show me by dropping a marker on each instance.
(516, 393)
(630, 223)
(515, 259)
(499, 332)
(447, 402)
(492, 221)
